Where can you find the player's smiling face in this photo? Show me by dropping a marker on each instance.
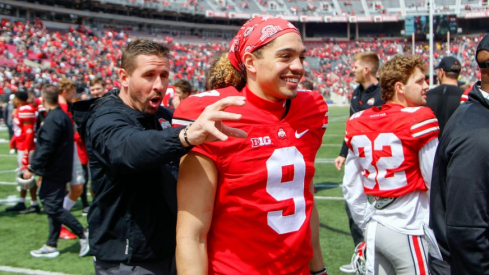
(415, 89)
(275, 75)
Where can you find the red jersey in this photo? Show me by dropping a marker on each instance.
(170, 93)
(263, 204)
(24, 119)
(387, 142)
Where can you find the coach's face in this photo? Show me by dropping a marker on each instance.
(359, 71)
(145, 87)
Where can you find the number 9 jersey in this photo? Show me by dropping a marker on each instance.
(263, 203)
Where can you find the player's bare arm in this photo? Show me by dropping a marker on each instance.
(196, 191)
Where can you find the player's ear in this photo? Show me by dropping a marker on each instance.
(249, 62)
(399, 87)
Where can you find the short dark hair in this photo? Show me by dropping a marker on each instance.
(22, 95)
(50, 94)
(308, 85)
(96, 81)
(184, 86)
(141, 47)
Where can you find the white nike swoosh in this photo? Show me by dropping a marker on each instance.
(299, 135)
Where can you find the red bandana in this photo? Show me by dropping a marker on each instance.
(255, 33)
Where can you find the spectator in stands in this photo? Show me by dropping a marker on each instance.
(445, 98)
(53, 160)
(223, 175)
(459, 191)
(97, 87)
(24, 120)
(132, 218)
(366, 95)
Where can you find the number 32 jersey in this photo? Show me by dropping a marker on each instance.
(391, 155)
(261, 218)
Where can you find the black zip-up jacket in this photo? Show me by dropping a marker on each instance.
(363, 99)
(133, 214)
(459, 207)
(53, 157)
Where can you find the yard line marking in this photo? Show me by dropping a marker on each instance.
(324, 161)
(7, 183)
(28, 271)
(8, 171)
(331, 145)
(329, 198)
(12, 155)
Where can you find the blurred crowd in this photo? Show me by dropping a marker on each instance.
(31, 55)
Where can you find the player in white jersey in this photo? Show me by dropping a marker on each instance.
(391, 155)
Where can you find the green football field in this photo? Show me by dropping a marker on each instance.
(20, 234)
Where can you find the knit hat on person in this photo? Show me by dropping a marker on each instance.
(255, 33)
(449, 64)
(483, 45)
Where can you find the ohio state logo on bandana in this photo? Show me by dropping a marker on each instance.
(269, 31)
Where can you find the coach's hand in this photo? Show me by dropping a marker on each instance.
(209, 127)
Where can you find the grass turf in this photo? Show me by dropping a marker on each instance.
(21, 233)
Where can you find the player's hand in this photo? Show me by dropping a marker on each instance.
(208, 126)
(25, 159)
(339, 161)
(27, 174)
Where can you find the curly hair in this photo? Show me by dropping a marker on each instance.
(66, 84)
(222, 74)
(398, 69)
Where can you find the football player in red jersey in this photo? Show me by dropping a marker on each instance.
(391, 152)
(246, 206)
(24, 120)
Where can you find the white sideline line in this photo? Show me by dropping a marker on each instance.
(329, 198)
(324, 161)
(12, 155)
(28, 271)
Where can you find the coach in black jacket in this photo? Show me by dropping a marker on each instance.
(132, 219)
(460, 187)
(53, 160)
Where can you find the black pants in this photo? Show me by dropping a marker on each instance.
(164, 267)
(83, 195)
(52, 194)
(356, 232)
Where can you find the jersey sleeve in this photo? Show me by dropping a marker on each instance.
(191, 108)
(425, 127)
(27, 115)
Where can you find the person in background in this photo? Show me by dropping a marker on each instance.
(67, 92)
(24, 121)
(391, 152)
(97, 87)
(53, 161)
(183, 89)
(460, 189)
(446, 97)
(366, 95)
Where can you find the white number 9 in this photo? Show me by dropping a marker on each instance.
(285, 190)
